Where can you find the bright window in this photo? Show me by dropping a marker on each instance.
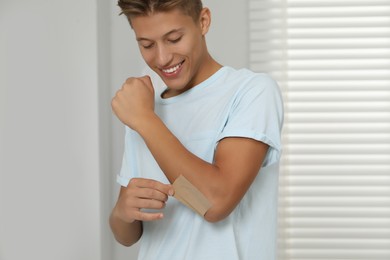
(332, 61)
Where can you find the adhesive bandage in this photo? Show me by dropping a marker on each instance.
(190, 196)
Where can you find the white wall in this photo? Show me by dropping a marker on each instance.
(60, 145)
(227, 42)
(49, 143)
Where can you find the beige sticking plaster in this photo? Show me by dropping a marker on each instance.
(190, 196)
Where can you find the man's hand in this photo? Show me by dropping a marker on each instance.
(134, 101)
(142, 194)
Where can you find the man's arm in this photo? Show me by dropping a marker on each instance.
(224, 182)
(125, 233)
(126, 217)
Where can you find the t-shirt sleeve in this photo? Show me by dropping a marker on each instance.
(257, 113)
(128, 169)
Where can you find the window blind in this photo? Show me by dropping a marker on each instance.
(332, 61)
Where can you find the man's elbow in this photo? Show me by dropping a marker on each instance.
(216, 214)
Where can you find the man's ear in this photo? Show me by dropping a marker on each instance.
(205, 20)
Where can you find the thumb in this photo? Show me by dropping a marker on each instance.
(148, 82)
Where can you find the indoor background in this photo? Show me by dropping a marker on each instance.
(61, 146)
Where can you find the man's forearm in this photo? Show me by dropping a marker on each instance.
(173, 158)
(125, 233)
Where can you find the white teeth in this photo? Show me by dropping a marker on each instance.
(173, 69)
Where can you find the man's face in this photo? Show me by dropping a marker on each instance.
(173, 45)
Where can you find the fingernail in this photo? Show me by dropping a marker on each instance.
(171, 192)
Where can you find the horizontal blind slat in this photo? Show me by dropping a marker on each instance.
(332, 59)
(332, 222)
(341, 233)
(355, 254)
(342, 201)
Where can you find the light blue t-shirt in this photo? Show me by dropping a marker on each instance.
(231, 103)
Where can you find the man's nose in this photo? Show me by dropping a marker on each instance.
(164, 56)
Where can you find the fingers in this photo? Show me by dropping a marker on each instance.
(146, 216)
(149, 204)
(146, 80)
(134, 102)
(146, 210)
(166, 189)
(130, 213)
(140, 197)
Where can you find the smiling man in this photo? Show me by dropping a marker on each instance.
(214, 133)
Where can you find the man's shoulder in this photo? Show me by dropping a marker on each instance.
(242, 80)
(245, 75)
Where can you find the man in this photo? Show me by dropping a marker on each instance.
(216, 127)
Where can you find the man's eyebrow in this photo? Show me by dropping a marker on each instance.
(165, 35)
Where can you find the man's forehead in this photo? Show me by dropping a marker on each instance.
(167, 34)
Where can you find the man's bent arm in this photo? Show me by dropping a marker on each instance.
(224, 182)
